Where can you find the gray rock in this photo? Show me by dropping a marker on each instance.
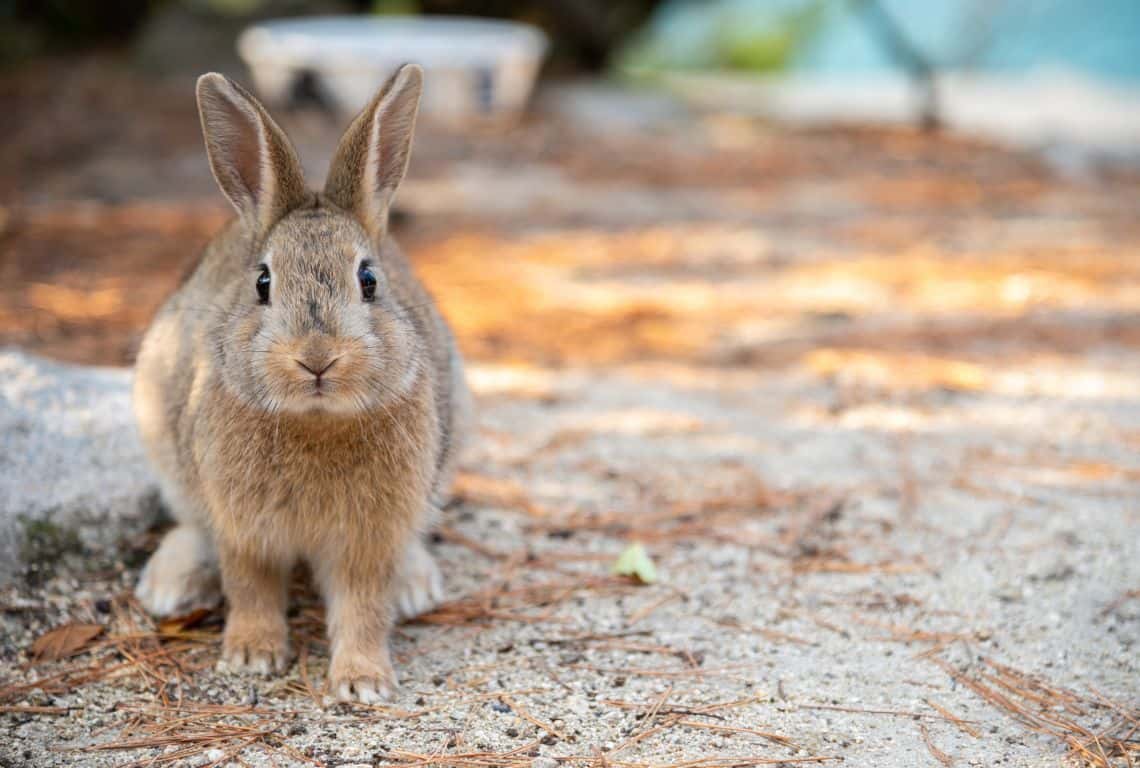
(72, 471)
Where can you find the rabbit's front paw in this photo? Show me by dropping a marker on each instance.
(261, 649)
(420, 584)
(359, 678)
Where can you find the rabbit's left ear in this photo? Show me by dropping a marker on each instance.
(252, 159)
(372, 157)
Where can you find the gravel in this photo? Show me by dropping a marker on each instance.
(813, 607)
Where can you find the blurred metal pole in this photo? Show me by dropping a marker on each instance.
(921, 71)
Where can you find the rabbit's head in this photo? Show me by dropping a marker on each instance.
(311, 323)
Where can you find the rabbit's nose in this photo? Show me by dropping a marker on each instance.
(317, 369)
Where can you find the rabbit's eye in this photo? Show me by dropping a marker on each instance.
(263, 285)
(367, 282)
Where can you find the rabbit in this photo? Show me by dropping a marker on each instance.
(301, 398)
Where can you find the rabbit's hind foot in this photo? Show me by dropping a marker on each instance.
(182, 575)
(419, 587)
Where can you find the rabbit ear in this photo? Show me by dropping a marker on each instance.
(252, 159)
(372, 157)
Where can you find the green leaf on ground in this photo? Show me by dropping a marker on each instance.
(636, 563)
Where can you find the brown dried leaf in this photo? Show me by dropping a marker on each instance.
(64, 641)
(175, 624)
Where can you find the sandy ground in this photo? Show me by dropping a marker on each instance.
(868, 400)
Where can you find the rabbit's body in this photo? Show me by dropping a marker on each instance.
(316, 423)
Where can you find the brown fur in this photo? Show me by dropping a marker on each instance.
(264, 465)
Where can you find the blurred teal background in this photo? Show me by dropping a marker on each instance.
(1094, 37)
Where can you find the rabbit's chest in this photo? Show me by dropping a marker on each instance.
(294, 492)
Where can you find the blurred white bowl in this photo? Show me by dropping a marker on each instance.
(473, 67)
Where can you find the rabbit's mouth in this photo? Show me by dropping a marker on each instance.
(321, 395)
(323, 375)
(327, 396)
(314, 378)
(320, 401)
(322, 391)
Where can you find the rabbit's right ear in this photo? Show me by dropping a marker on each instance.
(253, 161)
(373, 154)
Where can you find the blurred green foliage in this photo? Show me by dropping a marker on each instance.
(233, 7)
(755, 36)
(395, 7)
(765, 48)
(29, 27)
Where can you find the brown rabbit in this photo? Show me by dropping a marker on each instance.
(301, 398)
